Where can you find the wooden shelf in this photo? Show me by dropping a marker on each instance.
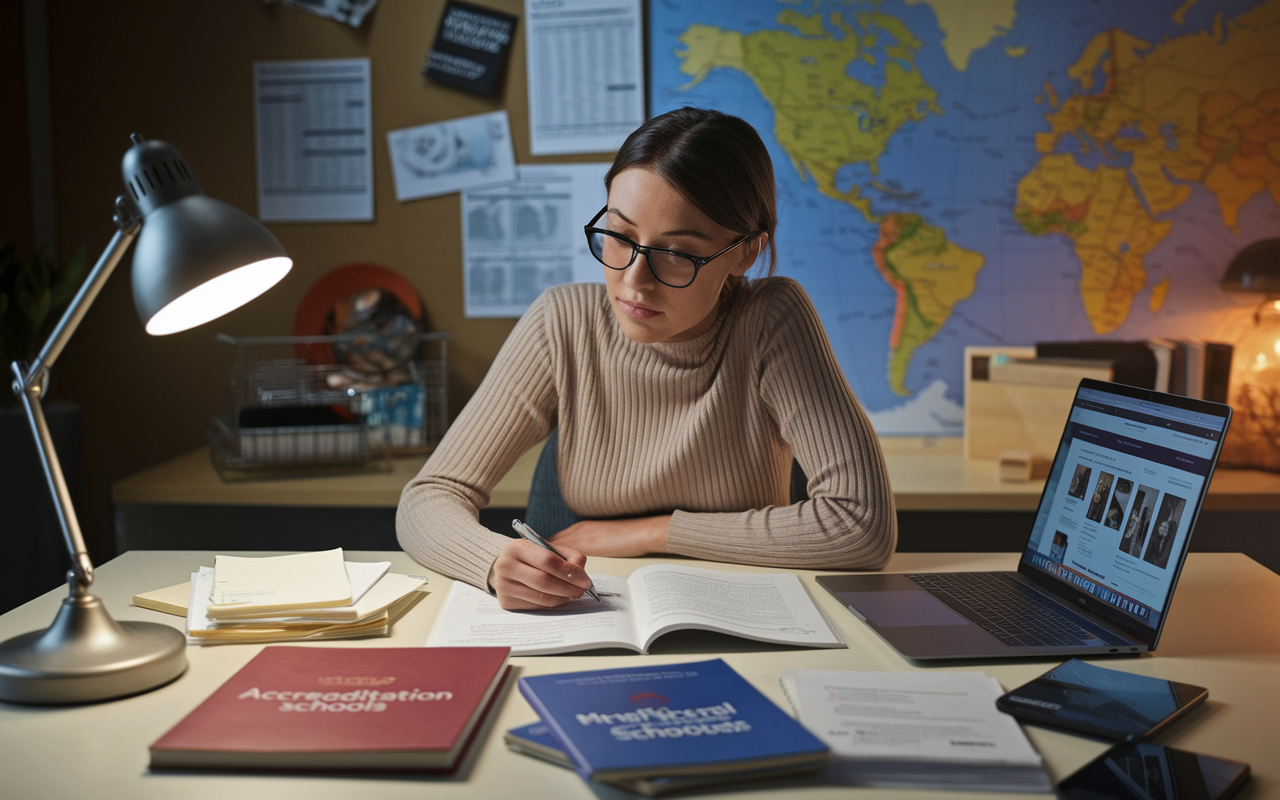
(927, 475)
(190, 479)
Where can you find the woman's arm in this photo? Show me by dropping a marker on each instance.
(850, 521)
(437, 520)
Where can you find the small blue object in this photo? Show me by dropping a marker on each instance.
(668, 720)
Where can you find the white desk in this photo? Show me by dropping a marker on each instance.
(1223, 633)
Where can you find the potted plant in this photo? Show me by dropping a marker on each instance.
(33, 295)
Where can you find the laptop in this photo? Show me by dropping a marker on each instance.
(1109, 540)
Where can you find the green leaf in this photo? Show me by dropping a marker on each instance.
(68, 279)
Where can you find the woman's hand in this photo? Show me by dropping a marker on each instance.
(527, 577)
(618, 538)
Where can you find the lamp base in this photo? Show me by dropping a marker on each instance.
(85, 655)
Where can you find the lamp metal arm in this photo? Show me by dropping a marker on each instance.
(31, 382)
(128, 221)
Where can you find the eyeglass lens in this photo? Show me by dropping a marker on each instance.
(617, 253)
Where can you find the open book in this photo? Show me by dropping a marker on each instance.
(657, 599)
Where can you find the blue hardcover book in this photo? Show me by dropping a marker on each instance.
(536, 740)
(668, 720)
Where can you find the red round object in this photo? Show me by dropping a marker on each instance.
(342, 282)
(338, 284)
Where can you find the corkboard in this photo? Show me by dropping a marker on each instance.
(182, 72)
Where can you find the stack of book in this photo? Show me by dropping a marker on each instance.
(306, 596)
(1018, 398)
(1189, 367)
(663, 728)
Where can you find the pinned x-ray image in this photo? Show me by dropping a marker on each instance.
(465, 153)
(519, 239)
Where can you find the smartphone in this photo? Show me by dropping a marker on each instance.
(1107, 703)
(1143, 771)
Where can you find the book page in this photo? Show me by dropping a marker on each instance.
(472, 618)
(945, 717)
(770, 608)
(301, 580)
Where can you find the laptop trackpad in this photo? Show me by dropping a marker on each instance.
(896, 609)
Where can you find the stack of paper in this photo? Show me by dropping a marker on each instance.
(923, 730)
(305, 596)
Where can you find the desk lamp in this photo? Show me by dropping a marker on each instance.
(1254, 440)
(197, 259)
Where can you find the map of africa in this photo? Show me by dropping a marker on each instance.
(994, 172)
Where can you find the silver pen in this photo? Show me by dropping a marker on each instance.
(532, 535)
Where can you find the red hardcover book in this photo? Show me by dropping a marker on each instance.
(341, 708)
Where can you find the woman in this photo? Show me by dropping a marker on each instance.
(680, 392)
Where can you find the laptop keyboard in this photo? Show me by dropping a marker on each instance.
(1014, 614)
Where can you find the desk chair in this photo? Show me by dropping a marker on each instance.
(548, 515)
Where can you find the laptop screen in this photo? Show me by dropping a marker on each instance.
(1122, 496)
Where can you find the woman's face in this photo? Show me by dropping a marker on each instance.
(647, 210)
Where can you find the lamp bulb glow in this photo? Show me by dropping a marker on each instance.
(219, 296)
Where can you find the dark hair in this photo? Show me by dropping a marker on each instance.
(716, 161)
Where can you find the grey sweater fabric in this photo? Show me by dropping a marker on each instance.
(703, 429)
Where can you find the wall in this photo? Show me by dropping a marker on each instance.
(182, 72)
(15, 200)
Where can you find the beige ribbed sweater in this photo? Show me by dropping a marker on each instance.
(703, 429)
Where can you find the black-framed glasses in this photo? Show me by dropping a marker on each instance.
(671, 267)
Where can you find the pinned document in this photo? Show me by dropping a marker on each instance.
(586, 74)
(314, 142)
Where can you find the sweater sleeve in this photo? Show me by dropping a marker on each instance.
(437, 521)
(849, 520)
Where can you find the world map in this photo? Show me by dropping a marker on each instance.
(994, 172)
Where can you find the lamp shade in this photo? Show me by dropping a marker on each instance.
(196, 258)
(1255, 269)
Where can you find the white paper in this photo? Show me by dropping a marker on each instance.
(314, 141)
(915, 729)
(384, 593)
(465, 153)
(520, 239)
(586, 74)
(362, 576)
(247, 584)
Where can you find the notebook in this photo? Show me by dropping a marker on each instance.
(1104, 552)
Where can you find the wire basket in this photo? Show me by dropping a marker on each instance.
(295, 409)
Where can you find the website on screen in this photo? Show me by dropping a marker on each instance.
(1119, 506)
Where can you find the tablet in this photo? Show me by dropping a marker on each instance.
(1106, 703)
